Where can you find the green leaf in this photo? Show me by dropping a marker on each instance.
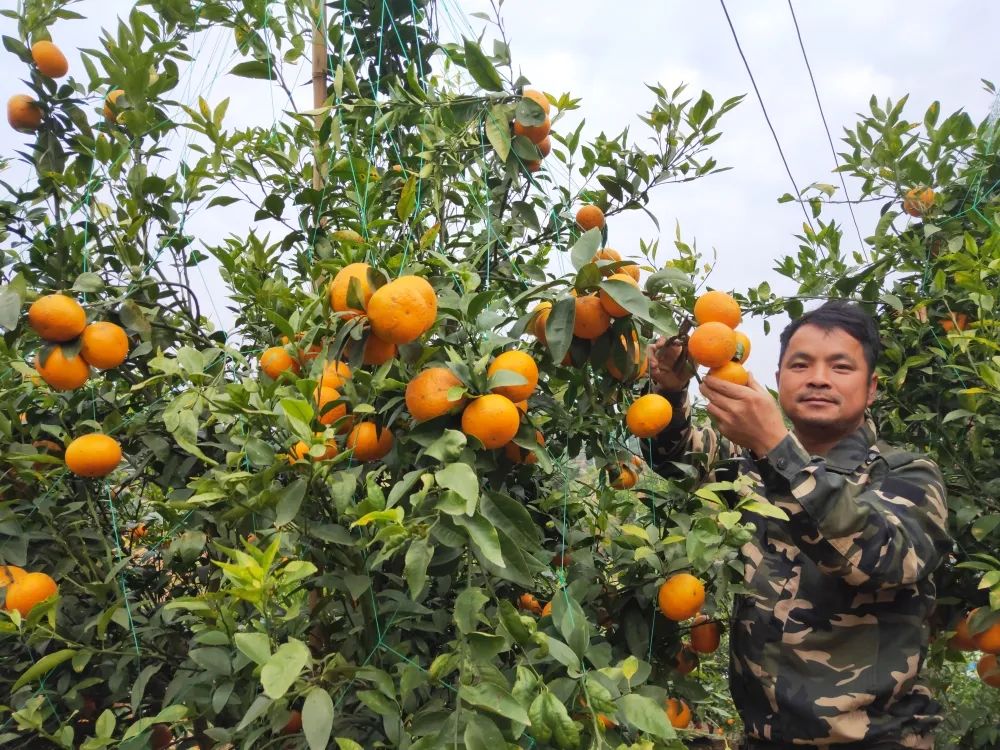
(763, 509)
(448, 447)
(290, 502)
(494, 699)
(571, 622)
(407, 200)
(483, 537)
(480, 68)
(529, 112)
(512, 622)
(139, 687)
(252, 69)
(628, 296)
(255, 646)
(418, 557)
(498, 131)
(42, 667)
(460, 478)
(646, 715)
(984, 526)
(283, 668)
(559, 327)
(88, 282)
(317, 718)
(585, 248)
(482, 734)
(105, 725)
(10, 308)
(468, 605)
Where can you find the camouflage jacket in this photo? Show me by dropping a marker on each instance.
(827, 647)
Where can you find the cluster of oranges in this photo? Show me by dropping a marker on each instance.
(72, 348)
(918, 201)
(23, 590)
(715, 343)
(399, 312)
(493, 418)
(987, 641)
(75, 346)
(537, 134)
(23, 112)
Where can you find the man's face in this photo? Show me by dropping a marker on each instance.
(823, 381)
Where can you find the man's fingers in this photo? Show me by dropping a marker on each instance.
(725, 388)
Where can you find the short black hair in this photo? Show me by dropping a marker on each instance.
(849, 317)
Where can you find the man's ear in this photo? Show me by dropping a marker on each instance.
(872, 387)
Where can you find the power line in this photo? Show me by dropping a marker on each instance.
(760, 99)
(826, 127)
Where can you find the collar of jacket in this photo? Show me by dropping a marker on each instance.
(854, 449)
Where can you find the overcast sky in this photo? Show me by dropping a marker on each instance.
(605, 52)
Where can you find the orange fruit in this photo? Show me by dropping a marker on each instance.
(24, 114)
(989, 639)
(717, 307)
(959, 321)
(403, 310)
(160, 737)
(325, 396)
(918, 201)
(49, 58)
(370, 443)
(712, 344)
(56, 317)
(589, 217)
(742, 347)
(606, 722)
(104, 345)
(522, 406)
(732, 372)
(342, 282)
(988, 669)
(687, 660)
(539, 98)
(547, 610)
(294, 723)
(61, 372)
(607, 254)
(518, 362)
(591, 318)
(529, 603)
(301, 450)
(427, 394)
(534, 133)
(93, 455)
(517, 455)
(492, 419)
(607, 302)
(545, 146)
(678, 713)
(648, 415)
(681, 596)
(705, 635)
(10, 573)
(963, 640)
(275, 360)
(639, 356)
(533, 165)
(110, 106)
(27, 591)
(335, 374)
(540, 314)
(626, 478)
(377, 351)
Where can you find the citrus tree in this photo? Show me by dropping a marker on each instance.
(388, 506)
(929, 272)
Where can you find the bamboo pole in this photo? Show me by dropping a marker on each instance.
(319, 86)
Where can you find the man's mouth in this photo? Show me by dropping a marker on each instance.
(817, 400)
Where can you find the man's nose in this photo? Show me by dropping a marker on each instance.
(819, 377)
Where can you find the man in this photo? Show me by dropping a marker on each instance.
(827, 647)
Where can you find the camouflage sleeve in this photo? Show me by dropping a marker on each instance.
(873, 532)
(681, 438)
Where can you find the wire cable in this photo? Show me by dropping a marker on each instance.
(826, 127)
(760, 99)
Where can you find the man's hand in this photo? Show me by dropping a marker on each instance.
(747, 415)
(664, 369)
